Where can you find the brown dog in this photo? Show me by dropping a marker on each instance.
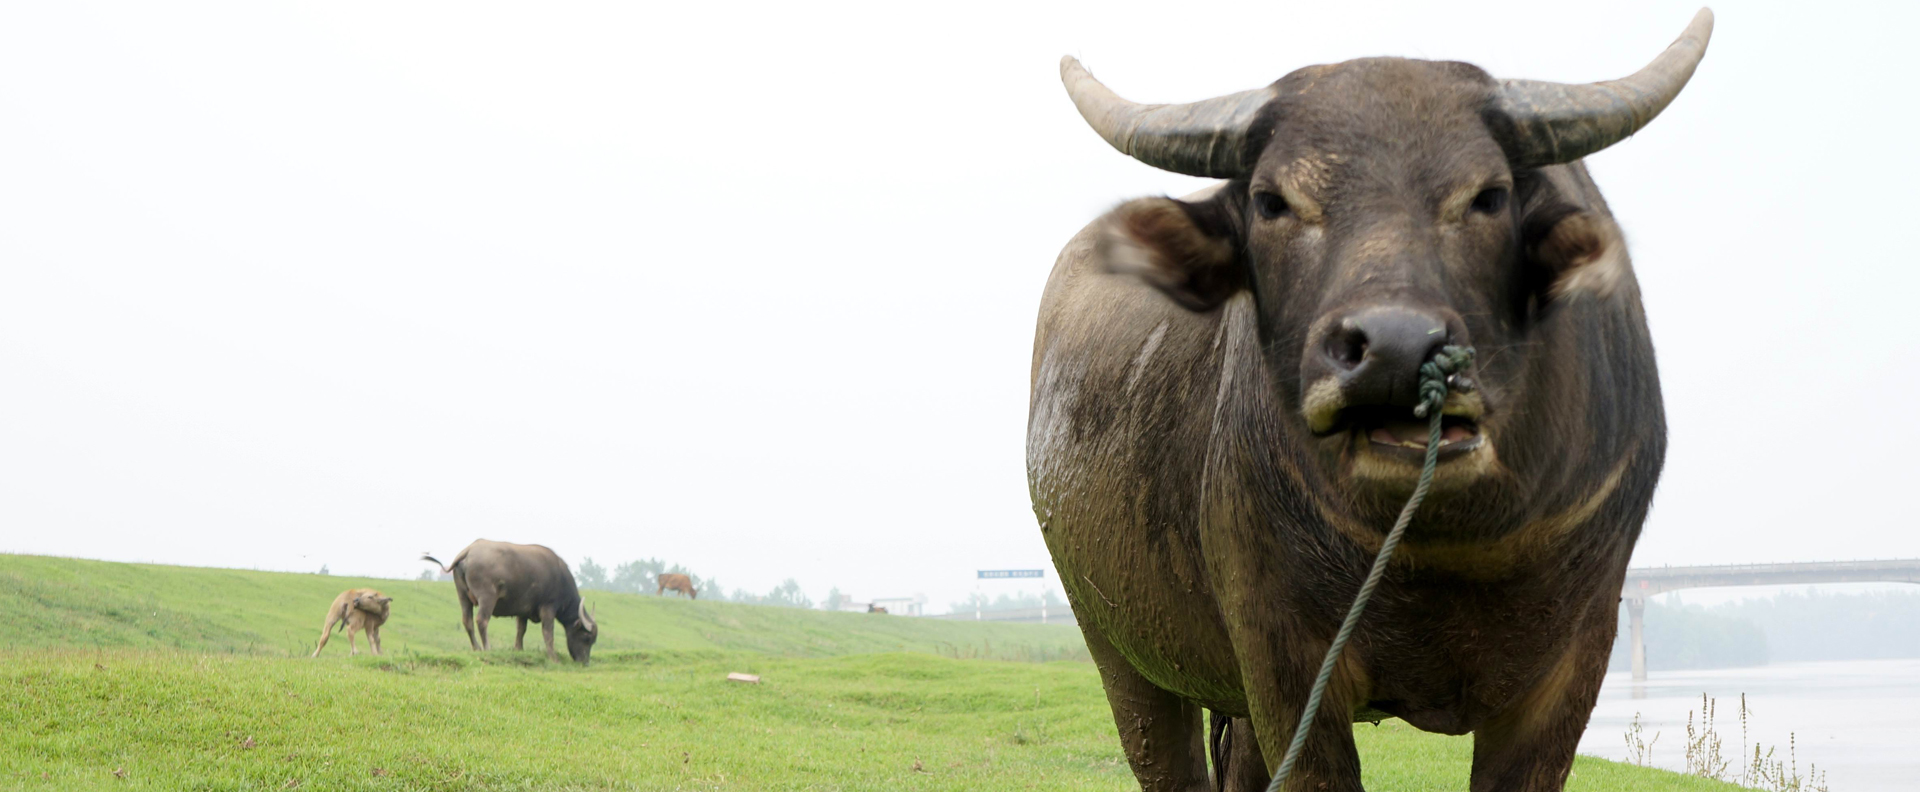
(361, 609)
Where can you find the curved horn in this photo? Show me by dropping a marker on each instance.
(1557, 122)
(1205, 138)
(586, 617)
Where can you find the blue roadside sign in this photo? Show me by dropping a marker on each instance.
(996, 574)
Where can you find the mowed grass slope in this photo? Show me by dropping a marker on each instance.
(64, 602)
(451, 722)
(176, 699)
(880, 721)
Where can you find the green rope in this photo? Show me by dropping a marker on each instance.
(1436, 377)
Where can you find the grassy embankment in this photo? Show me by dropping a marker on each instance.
(181, 678)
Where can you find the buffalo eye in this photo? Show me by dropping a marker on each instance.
(1271, 205)
(1490, 200)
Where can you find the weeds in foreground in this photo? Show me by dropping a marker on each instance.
(1762, 771)
(1034, 733)
(1705, 758)
(1639, 748)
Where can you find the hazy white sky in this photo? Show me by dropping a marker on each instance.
(752, 288)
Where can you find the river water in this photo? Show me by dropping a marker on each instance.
(1859, 721)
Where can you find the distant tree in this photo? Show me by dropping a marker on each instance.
(426, 575)
(835, 599)
(643, 577)
(638, 577)
(1815, 625)
(1689, 636)
(788, 594)
(592, 575)
(323, 570)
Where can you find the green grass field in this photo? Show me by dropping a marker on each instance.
(151, 677)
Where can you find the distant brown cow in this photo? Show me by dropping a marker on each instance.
(673, 581)
(361, 609)
(876, 609)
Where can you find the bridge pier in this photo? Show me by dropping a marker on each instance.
(1636, 627)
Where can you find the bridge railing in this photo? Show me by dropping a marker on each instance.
(1904, 565)
(1059, 614)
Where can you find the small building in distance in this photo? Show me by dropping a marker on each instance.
(902, 606)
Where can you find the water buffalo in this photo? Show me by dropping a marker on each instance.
(361, 610)
(673, 581)
(523, 581)
(1220, 428)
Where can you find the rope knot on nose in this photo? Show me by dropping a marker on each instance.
(1441, 374)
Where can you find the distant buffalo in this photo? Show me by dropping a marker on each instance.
(876, 609)
(361, 609)
(523, 581)
(673, 581)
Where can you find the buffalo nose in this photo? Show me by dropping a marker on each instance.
(1375, 354)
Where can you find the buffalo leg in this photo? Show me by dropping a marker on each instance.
(1329, 762)
(1159, 731)
(466, 618)
(1237, 764)
(546, 631)
(353, 647)
(373, 639)
(1529, 746)
(483, 601)
(520, 634)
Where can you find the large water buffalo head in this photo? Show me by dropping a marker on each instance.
(1374, 211)
(581, 633)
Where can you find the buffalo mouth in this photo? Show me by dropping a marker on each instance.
(1395, 432)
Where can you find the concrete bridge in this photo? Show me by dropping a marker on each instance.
(1647, 582)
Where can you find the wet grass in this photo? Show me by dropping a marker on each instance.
(141, 677)
(664, 721)
(91, 719)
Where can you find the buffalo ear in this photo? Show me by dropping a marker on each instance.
(1576, 253)
(1183, 249)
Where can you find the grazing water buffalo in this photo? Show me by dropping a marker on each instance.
(1220, 428)
(523, 581)
(361, 610)
(673, 581)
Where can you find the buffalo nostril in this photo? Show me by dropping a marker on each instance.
(1347, 346)
(1375, 353)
